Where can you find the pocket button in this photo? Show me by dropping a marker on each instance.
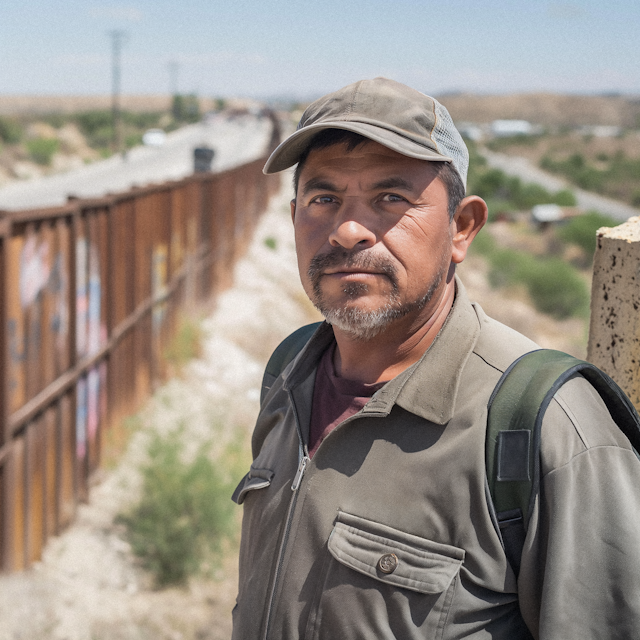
(388, 563)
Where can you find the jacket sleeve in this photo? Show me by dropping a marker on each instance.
(580, 575)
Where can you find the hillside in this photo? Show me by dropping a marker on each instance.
(546, 109)
(21, 105)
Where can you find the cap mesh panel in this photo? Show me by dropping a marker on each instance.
(449, 141)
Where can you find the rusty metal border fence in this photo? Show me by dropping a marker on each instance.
(90, 295)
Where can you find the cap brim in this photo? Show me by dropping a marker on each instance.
(289, 151)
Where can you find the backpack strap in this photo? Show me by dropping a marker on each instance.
(515, 413)
(284, 353)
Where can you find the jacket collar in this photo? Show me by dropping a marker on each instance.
(430, 386)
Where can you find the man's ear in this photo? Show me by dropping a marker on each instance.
(470, 217)
(293, 210)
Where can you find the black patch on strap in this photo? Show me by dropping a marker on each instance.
(513, 456)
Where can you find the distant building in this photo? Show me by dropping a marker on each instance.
(601, 131)
(470, 131)
(545, 214)
(504, 128)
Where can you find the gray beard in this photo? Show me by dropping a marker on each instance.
(358, 324)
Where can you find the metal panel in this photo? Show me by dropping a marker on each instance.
(90, 296)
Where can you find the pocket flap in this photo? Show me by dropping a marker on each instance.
(255, 479)
(417, 564)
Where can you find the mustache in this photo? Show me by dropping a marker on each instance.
(361, 259)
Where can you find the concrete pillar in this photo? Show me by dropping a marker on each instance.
(614, 331)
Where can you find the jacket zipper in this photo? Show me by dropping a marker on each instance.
(303, 460)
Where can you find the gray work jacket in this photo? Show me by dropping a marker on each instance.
(388, 533)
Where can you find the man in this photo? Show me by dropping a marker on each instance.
(366, 514)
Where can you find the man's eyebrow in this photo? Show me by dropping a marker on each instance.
(394, 182)
(319, 184)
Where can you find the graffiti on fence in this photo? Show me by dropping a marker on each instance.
(159, 273)
(90, 335)
(59, 287)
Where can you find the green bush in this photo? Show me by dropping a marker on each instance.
(581, 230)
(520, 139)
(10, 131)
(186, 343)
(494, 185)
(576, 169)
(41, 150)
(556, 288)
(133, 140)
(483, 244)
(185, 511)
(565, 198)
(91, 122)
(185, 108)
(509, 267)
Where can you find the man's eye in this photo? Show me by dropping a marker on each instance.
(392, 197)
(323, 200)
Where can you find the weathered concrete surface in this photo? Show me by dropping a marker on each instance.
(614, 333)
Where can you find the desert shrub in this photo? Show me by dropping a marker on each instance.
(41, 150)
(133, 140)
(509, 267)
(576, 169)
(185, 108)
(91, 122)
(488, 184)
(565, 198)
(556, 288)
(186, 343)
(10, 130)
(185, 511)
(141, 119)
(520, 139)
(495, 186)
(483, 244)
(581, 230)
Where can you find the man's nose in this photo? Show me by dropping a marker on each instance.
(352, 227)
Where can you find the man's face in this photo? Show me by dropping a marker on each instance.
(373, 237)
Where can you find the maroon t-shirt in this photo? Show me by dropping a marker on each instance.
(334, 399)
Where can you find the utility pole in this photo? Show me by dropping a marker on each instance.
(118, 37)
(174, 69)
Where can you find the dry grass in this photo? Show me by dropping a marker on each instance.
(563, 146)
(545, 108)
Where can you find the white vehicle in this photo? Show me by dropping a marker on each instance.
(154, 138)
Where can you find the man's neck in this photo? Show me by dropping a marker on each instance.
(393, 350)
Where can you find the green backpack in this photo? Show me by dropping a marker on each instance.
(515, 412)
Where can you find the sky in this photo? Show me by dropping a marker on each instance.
(301, 49)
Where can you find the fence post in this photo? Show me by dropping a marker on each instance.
(614, 332)
(6, 526)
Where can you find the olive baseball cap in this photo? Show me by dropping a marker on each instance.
(385, 111)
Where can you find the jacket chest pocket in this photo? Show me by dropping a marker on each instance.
(379, 582)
